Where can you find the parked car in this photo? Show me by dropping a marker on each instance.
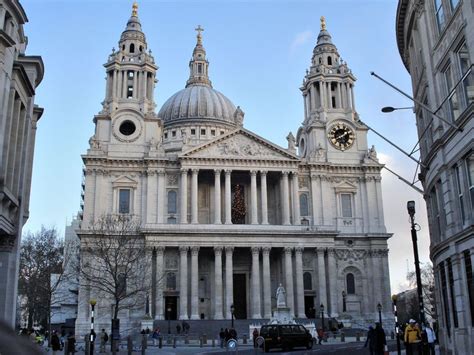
(285, 336)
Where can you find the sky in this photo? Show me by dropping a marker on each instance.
(258, 52)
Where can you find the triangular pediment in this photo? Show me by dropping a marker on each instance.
(240, 144)
(345, 186)
(124, 181)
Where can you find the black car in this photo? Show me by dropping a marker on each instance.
(285, 336)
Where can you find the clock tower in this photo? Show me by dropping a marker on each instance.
(331, 130)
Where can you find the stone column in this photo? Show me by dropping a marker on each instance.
(145, 76)
(339, 96)
(313, 97)
(229, 281)
(255, 301)
(218, 282)
(376, 281)
(217, 196)
(184, 197)
(290, 299)
(322, 278)
(352, 98)
(263, 188)
(124, 84)
(286, 198)
(151, 197)
(161, 196)
(183, 283)
(194, 196)
(386, 297)
(253, 197)
(299, 282)
(160, 283)
(228, 195)
(305, 101)
(321, 94)
(332, 271)
(135, 85)
(267, 293)
(114, 84)
(296, 199)
(194, 282)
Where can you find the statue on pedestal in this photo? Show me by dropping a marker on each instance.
(281, 297)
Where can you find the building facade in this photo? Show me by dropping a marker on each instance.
(436, 43)
(227, 215)
(20, 74)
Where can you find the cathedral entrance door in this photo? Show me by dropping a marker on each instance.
(171, 307)
(240, 296)
(309, 309)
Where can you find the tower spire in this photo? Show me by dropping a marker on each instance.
(135, 9)
(198, 65)
(323, 23)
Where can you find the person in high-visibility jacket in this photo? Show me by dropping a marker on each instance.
(412, 337)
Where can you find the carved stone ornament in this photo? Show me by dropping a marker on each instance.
(173, 180)
(94, 143)
(239, 116)
(307, 261)
(351, 254)
(171, 262)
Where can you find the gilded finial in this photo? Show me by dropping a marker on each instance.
(199, 29)
(323, 23)
(135, 9)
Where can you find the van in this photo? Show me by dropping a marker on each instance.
(285, 336)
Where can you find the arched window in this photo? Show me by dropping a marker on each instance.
(132, 48)
(304, 205)
(171, 281)
(307, 281)
(329, 61)
(172, 202)
(350, 284)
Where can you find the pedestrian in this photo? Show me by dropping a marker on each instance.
(379, 340)
(320, 336)
(255, 335)
(431, 338)
(63, 338)
(55, 343)
(412, 337)
(370, 340)
(71, 344)
(155, 336)
(186, 327)
(178, 328)
(104, 337)
(147, 331)
(222, 337)
(143, 331)
(233, 333)
(226, 335)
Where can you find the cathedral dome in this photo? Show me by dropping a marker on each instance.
(197, 101)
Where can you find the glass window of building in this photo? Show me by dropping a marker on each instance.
(346, 205)
(469, 282)
(464, 65)
(454, 4)
(459, 191)
(350, 284)
(124, 201)
(304, 205)
(172, 202)
(470, 178)
(439, 11)
(453, 101)
(451, 291)
(444, 292)
(307, 281)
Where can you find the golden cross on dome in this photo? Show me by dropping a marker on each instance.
(135, 9)
(323, 23)
(199, 29)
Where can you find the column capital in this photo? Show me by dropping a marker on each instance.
(331, 252)
(183, 250)
(184, 170)
(228, 172)
(194, 250)
(255, 250)
(288, 250)
(217, 171)
(294, 173)
(253, 172)
(285, 173)
(161, 172)
(195, 171)
(229, 249)
(266, 250)
(299, 250)
(160, 249)
(218, 250)
(319, 250)
(263, 172)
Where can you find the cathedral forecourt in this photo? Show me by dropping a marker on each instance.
(228, 215)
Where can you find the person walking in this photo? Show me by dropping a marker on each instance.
(320, 336)
(178, 328)
(255, 335)
(71, 344)
(222, 337)
(431, 338)
(55, 343)
(104, 337)
(412, 338)
(370, 340)
(379, 340)
(155, 336)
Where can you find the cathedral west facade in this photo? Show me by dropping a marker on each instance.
(227, 215)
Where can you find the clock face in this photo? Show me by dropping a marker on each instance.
(341, 136)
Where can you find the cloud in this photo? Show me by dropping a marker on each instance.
(300, 39)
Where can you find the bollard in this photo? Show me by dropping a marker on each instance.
(392, 335)
(144, 344)
(357, 336)
(343, 337)
(87, 342)
(200, 342)
(160, 342)
(204, 339)
(186, 339)
(129, 345)
(213, 342)
(174, 342)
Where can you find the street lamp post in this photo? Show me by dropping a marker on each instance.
(394, 301)
(91, 346)
(379, 308)
(419, 287)
(344, 307)
(169, 319)
(232, 309)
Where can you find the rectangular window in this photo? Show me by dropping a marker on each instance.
(459, 187)
(130, 74)
(193, 131)
(451, 291)
(439, 14)
(222, 133)
(203, 132)
(166, 135)
(435, 217)
(454, 4)
(124, 201)
(470, 178)
(469, 282)
(449, 78)
(213, 132)
(444, 292)
(464, 65)
(173, 133)
(346, 205)
(129, 92)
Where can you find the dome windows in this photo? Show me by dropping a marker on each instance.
(132, 48)
(329, 61)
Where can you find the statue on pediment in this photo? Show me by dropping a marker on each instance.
(239, 116)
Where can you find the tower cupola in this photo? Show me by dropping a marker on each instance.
(325, 52)
(133, 40)
(198, 65)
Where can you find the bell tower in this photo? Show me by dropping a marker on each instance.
(131, 71)
(330, 125)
